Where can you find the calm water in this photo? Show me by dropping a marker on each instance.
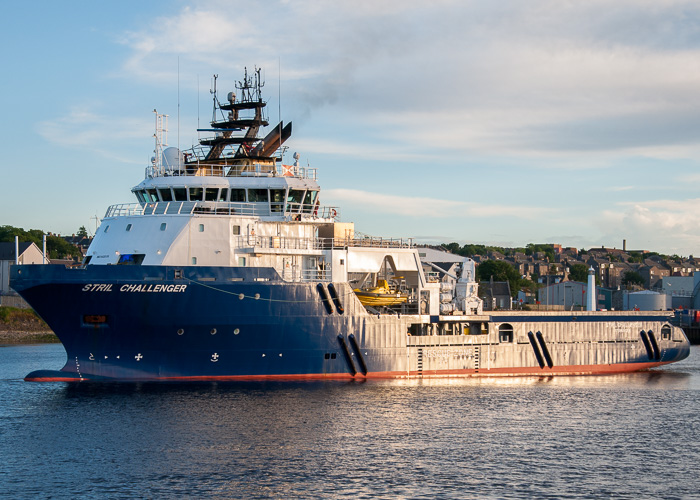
(631, 436)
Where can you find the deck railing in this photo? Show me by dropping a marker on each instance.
(294, 274)
(290, 243)
(292, 211)
(202, 169)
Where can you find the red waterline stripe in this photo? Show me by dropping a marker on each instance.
(496, 372)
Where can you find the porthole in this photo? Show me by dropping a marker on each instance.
(213, 331)
(241, 296)
(236, 331)
(180, 331)
(257, 296)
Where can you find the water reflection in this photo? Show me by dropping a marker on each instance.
(624, 436)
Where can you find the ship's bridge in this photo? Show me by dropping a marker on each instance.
(254, 189)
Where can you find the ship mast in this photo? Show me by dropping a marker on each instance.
(239, 107)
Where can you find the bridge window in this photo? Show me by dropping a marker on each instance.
(180, 194)
(309, 201)
(151, 195)
(666, 332)
(196, 194)
(223, 195)
(165, 194)
(505, 333)
(295, 196)
(257, 195)
(140, 197)
(211, 194)
(310, 197)
(277, 199)
(277, 195)
(238, 195)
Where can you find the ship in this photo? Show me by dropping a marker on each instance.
(229, 267)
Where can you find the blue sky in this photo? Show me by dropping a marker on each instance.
(478, 122)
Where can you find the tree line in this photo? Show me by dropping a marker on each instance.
(504, 271)
(56, 247)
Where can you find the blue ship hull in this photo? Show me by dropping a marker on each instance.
(219, 323)
(131, 322)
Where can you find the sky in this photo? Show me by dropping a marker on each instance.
(498, 123)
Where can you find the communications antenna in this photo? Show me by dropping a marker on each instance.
(161, 136)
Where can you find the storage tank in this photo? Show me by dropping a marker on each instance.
(646, 300)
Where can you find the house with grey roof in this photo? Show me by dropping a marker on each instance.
(653, 272)
(29, 253)
(495, 294)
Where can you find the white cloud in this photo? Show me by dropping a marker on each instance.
(413, 206)
(92, 132)
(537, 78)
(671, 226)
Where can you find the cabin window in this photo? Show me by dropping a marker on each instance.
(223, 195)
(257, 196)
(309, 201)
(241, 261)
(132, 259)
(505, 333)
(163, 226)
(295, 196)
(196, 194)
(666, 332)
(201, 228)
(238, 195)
(152, 195)
(106, 228)
(310, 197)
(277, 195)
(165, 194)
(277, 199)
(180, 194)
(128, 227)
(211, 194)
(194, 261)
(236, 230)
